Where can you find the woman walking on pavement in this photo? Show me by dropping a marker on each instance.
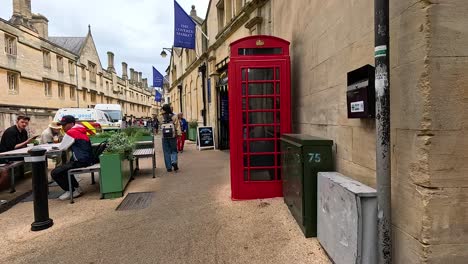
(184, 128)
(171, 130)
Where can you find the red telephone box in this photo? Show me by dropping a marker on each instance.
(259, 112)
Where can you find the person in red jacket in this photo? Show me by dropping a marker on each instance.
(78, 140)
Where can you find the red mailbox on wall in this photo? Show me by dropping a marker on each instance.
(260, 111)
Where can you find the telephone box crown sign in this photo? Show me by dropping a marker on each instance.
(260, 42)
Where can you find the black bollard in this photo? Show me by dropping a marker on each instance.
(40, 189)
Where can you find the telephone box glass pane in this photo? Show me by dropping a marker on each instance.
(262, 146)
(244, 74)
(277, 74)
(262, 161)
(262, 175)
(278, 90)
(262, 132)
(260, 51)
(260, 74)
(260, 89)
(261, 103)
(261, 118)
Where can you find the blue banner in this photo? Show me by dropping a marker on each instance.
(158, 97)
(184, 28)
(158, 78)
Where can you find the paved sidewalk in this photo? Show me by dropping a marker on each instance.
(191, 220)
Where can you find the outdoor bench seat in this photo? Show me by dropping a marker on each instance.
(90, 169)
(145, 153)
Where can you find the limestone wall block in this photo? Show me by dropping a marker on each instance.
(449, 23)
(363, 151)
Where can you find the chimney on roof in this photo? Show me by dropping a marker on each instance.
(132, 75)
(22, 13)
(124, 71)
(26, 9)
(41, 24)
(193, 12)
(140, 75)
(110, 62)
(145, 82)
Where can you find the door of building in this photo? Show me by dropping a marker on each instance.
(259, 100)
(223, 114)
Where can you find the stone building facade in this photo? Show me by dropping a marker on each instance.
(40, 74)
(429, 91)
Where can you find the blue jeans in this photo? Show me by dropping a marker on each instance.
(169, 146)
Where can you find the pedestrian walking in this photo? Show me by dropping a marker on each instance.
(183, 137)
(155, 125)
(170, 131)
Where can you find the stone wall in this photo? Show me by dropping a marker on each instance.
(429, 92)
(39, 119)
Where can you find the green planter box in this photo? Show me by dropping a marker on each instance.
(116, 172)
(192, 133)
(97, 140)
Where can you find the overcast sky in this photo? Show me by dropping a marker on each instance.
(135, 30)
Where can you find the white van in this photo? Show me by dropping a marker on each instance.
(114, 111)
(89, 116)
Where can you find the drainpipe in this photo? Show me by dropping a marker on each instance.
(77, 92)
(202, 69)
(383, 161)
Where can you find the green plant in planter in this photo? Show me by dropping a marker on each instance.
(193, 123)
(35, 142)
(192, 131)
(136, 131)
(142, 133)
(106, 134)
(119, 143)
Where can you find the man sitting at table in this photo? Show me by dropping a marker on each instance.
(16, 137)
(80, 144)
(53, 134)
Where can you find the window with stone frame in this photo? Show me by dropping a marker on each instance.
(102, 98)
(71, 68)
(220, 9)
(12, 79)
(239, 5)
(46, 59)
(61, 91)
(93, 97)
(101, 80)
(84, 95)
(92, 71)
(59, 63)
(47, 88)
(83, 72)
(10, 45)
(73, 93)
(107, 87)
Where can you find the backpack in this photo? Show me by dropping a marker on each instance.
(98, 151)
(168, 128)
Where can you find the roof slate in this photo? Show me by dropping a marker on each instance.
(72, 44)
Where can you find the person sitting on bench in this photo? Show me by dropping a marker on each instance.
(80, 144)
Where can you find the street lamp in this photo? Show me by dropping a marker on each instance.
(163, 52)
